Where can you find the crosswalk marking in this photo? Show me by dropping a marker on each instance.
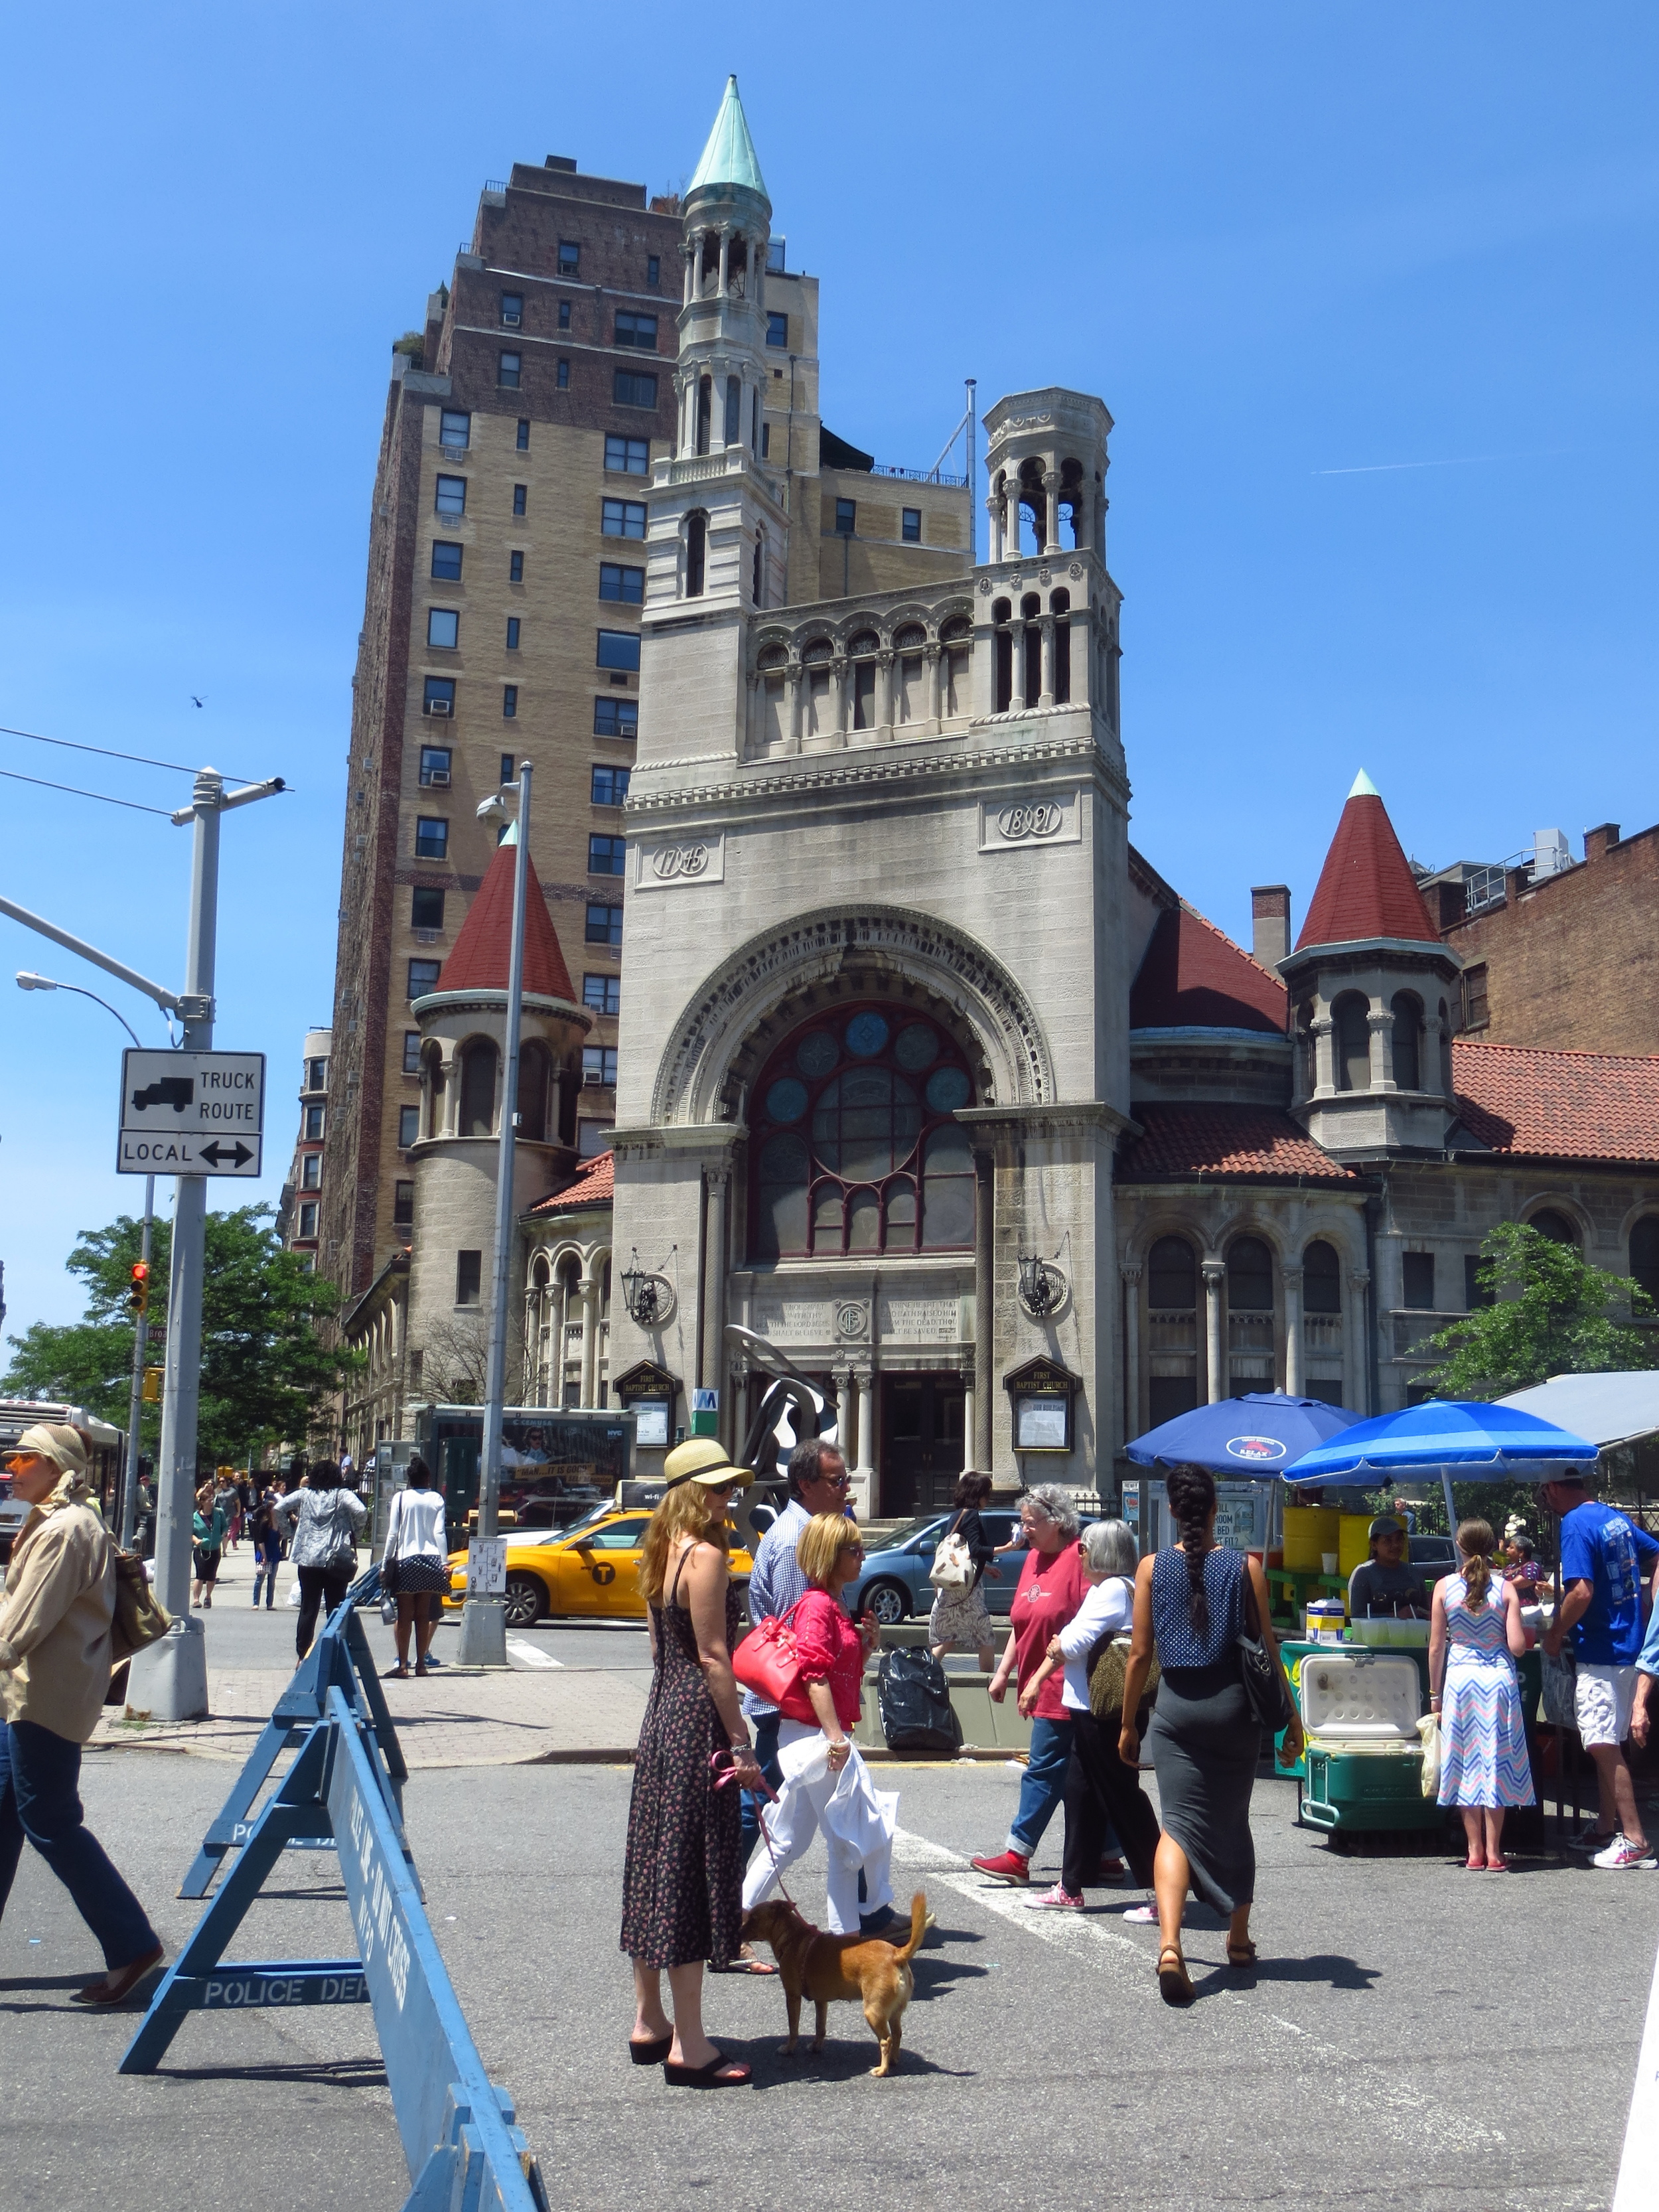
(528, 1655)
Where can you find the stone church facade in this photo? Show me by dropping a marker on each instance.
(925, 1074)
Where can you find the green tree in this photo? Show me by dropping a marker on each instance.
(266, 1373)
(1552, 1314)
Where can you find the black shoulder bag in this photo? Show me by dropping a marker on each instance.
(1264, 1678)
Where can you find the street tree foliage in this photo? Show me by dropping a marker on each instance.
(266, 1373)
(1552, 1314)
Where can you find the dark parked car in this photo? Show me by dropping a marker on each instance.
(1436, 1555)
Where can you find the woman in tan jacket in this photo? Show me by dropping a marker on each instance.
(55, 1621)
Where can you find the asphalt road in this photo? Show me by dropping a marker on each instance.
(1415, 2036)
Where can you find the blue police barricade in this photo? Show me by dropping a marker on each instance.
(457, 2128)
(338, 1652)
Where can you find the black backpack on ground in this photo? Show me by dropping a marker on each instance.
(916, 1712)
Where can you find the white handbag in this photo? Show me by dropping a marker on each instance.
(953, 1564)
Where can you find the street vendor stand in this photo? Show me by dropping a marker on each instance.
(1468, 1442)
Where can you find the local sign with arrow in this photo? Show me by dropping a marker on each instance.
(192, 1113)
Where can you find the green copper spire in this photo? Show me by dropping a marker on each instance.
(729, 156)
(1364, 787)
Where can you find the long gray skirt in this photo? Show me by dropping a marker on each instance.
(1204, 1743)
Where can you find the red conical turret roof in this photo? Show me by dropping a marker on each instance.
(482, 953)
(1366, 888)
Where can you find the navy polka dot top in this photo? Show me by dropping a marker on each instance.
(1224, 1585)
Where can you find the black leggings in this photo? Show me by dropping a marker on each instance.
(1099, 1788)
(319, 1586)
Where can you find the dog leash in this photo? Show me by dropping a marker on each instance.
(727, 1772)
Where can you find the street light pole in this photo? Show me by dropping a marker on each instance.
(126, 1516)
(483, 1620)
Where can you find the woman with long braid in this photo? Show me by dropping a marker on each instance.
(1191, 1605)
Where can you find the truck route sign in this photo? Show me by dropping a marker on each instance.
(192, 1113)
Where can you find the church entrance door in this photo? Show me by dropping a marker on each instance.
(923, 1442)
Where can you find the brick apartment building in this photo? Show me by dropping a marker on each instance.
(502, 622)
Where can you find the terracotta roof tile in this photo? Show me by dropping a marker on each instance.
(1366, 888)
(1194, 977)
(481, 955)
(595, 1184)
(1559, 1105)
(1228, 1144)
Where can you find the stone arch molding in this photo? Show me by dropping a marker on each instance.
(820, 947)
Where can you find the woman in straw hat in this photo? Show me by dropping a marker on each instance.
(682, 1877)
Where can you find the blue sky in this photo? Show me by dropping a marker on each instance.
(1370, 293)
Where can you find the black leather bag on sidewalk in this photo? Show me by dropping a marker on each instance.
(916, 1712)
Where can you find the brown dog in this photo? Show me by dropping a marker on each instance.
(824, 1967)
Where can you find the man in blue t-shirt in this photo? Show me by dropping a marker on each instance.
(1605, 1560)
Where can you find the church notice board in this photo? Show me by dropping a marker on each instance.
(1043, 1395)
(648, 1392)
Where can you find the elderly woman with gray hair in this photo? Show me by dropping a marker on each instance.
(1104, 1797)
(1051, 1588)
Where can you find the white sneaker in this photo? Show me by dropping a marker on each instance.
(1622, 1854)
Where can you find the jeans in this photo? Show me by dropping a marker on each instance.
(1043, 1784)
(39, 1800)
(264, 1571)
(766, 1757)
(318, 1585)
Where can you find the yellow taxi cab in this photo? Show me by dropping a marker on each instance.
(591, 1568)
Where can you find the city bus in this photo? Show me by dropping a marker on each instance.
(106, 1458)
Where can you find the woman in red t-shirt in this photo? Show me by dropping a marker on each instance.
(1052, 1586)
(831, 1652)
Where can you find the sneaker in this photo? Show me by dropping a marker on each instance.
(1057, 1900)
(1621, 1854)
(1589, 1838)
(1113, 1871)
(1006, 1866)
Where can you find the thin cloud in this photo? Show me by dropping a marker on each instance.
(1463, 461)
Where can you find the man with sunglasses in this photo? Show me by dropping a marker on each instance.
(818, 1483)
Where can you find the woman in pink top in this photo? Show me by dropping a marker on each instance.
(814, 1752)
(1052, 1586)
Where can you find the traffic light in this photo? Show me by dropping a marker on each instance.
(139, 1289)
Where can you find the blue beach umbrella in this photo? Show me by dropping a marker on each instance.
(1250, 1438)
(1477, 1441)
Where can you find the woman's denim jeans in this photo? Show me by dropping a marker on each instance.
(1044, 1784)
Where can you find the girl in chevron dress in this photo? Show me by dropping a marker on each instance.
(1475, 1637)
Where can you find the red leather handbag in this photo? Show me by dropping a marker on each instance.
(767, 1662)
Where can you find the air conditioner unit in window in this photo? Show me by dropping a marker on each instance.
(438, 775)
(592, 1079)
(439, 706)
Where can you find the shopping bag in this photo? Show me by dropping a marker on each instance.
(1434, 1747)
(294, 1594)
(1558, 1703)
(953, 1565)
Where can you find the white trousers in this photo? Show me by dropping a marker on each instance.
(857, 1821)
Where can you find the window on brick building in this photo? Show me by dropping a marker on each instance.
(609, 785)
(509, 367)
(637, 331)
(512, 310)
(520, 499)
(652, 270)
(402, 1205)
(591, 1139)
(570, 257)
(523, 434)
(1555, 1226)
(628, 457)
(615, 718)
(446, 562)
(509, 702)
(443, 629)
(512, 633)
(312, 1119)
(617, 582)
(628, 388)
(777, 331)
(607, 856)
(1418, 1272)
(308, 1220)
(434, 763)
(622, 518)
(431, 838)
(425, 907)
(423, 977)
(408, 1126)
(618, 648)
(515, 567)
(509, 769)
(438, 696)
(310, 1171)
(599, 1064)
(469, 1278)
(1475, 1015)
(603, 994)
(846, 517)
(604, 925)
(910, 525)
(562, 376)
(451, 497)
(455, 430)
(411, 1052)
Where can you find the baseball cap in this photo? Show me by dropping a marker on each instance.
(1387, 1524)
